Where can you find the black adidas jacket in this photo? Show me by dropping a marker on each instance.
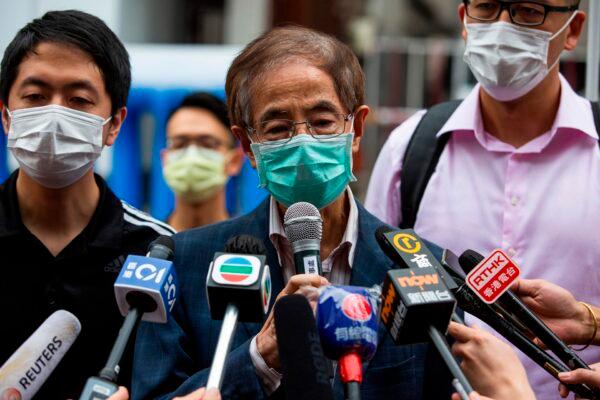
(34, 284)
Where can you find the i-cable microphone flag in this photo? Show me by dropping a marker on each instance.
(470, 260)
(304, 227)
(146, 289)
(305, 370)
(347, 322)
(25, 372)
(238, 287)
(417, 306)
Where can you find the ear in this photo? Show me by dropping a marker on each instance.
(5, 120)
(360, 117)
(163, 156)
(242, 136)
(574, 31)
(462, 11)
(235, 162)
(114, 126)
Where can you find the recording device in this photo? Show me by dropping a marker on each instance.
(510, 302)
(347, 323)
(472, 304)
(145, 289)
(488, 313)
(417, 304)
(306, 371)
(29, 367)
(304, 228)
(469, 259)
(238, 287)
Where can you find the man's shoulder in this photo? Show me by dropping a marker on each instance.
(214, 236)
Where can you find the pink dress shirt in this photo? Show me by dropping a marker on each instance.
(540, 203)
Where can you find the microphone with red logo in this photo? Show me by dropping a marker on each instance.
(417, 304)
(238, 287)
(470, 260)
(472, 303)
(146, 290)
(347, 324)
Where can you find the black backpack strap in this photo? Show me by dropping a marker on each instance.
(421, 157)
(596, 113)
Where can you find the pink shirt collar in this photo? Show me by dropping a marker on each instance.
(574, 115)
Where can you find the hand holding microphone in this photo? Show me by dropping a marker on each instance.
(497, 377)
(559, 309)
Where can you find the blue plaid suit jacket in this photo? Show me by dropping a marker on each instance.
(174, 359)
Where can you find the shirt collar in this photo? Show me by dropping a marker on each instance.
(104, 229)
(574, 112)
(350, 236)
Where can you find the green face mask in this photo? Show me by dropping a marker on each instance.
(305, 169)
(194, 173)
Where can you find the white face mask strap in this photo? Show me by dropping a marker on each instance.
(565, 25)
(107, 120)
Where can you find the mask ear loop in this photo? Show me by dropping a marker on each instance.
(558, 33)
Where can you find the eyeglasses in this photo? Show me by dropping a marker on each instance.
(525, 13)
(322, 126)
(183, 141)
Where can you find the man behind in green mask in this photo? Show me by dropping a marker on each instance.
(200, 157)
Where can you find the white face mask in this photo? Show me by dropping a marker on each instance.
(508, 60)
(55, 145)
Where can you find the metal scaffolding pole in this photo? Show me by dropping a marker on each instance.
(592, 77)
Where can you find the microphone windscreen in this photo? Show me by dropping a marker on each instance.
(245, 244)
(162, 248)
(33, 362)
(469, 260)
(304, 366)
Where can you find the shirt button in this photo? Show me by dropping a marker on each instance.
(511, 252)
(514, 200)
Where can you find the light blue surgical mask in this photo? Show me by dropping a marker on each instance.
(305, 168)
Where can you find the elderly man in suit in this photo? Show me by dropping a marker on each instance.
(296, 101)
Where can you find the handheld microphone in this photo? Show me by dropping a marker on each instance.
(472, 304)
(347, 323)
(304, 227)
(145, 289)
(417, 304)
(469, 259)
(306, 373)
(28, 368)
(238, 287)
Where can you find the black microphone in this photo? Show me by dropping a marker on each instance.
(306, 373)
(417, 305)
(471, 303)
(469, 259)
(146, 290)
(304, 227)
(238, 287)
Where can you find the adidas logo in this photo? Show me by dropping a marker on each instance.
(115, 265)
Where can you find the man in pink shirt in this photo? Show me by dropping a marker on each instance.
(520, 169)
